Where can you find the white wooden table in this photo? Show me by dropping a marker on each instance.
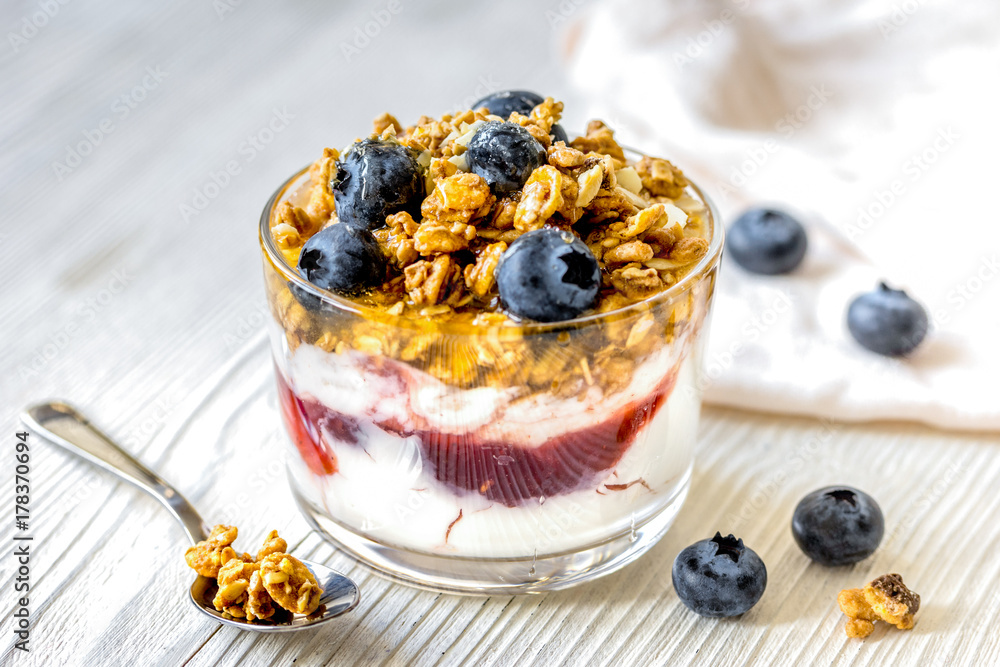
(116, 116)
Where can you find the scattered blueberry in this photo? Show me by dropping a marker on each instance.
(504, 154)
(838, 525)
(506, 102)
(766, 241)
(548, 275)
(887, 321)
(342, 259)
(719, 577)
(374, 179)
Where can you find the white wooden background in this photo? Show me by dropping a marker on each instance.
(153, 324)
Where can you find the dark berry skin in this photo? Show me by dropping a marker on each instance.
(887, 321)
(506, 102)
(719, 577)
(375, 179)
(343, 259)
(548, 275)
(838, 525)
(766, 241)
(504, 155)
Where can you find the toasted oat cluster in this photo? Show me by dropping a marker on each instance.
(885, 599)
(254, 587)
(636, 222)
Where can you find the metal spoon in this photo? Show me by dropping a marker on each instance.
(64, 426)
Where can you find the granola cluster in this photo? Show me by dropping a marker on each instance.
(254, 587)
(885, 599)
(637, 217)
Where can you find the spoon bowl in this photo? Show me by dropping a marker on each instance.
(63, 425)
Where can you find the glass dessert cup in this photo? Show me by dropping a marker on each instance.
(496, 459)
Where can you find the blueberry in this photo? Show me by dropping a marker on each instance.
(766, 241)
(506, 102)
(838, 525)
(719, 577)
(375, 179)
(887, 321)
(342, 259)
(548, 275)
(504, 154)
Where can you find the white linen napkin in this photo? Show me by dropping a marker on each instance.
(876, 123)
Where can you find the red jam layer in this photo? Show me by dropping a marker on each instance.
(501, 471)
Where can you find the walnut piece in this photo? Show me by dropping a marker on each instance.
(660, 177)
(480, 277)
(599, 139)
(633, 251)
(636, 283)
(433, 237)
(542, 197)
(427, 282)
(460, 197)
(689, 249)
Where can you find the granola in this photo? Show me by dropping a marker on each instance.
(641, 220)
(290, 583)
(243, 589)
(885, 599)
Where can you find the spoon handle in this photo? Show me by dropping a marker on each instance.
(64, 426)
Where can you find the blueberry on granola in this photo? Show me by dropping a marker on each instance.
(887, 321)
(548, 275)
(506, 102)
(504, 155)
(838, 525)
(719, 577)
(343, 259)
(766, 241)
(374, 179)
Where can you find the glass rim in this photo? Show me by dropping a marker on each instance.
(697, 273)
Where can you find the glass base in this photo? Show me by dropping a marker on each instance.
(498, 576)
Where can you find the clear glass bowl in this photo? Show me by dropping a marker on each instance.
(495, 460)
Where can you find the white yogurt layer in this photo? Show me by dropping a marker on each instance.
(382, 491)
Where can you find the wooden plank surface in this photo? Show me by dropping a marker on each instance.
(152, 322)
